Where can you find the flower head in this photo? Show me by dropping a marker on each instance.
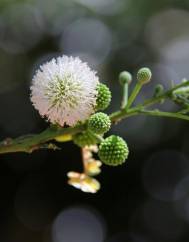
(103, 97)
(91, 165)
(113, 151)
(125, 77)
(144, 75)
(65, 90)
(83, 182)
(99, 123)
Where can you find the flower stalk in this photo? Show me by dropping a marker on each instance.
(134, 94)
(125, 96)
(125, 79)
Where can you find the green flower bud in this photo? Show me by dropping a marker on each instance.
(113, 151)
(103, 98)
(125, 77)
(99, 123)
(144, 75)
(85, 138)
(158, 90)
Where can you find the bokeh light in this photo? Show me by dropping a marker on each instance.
(162, 172)
(164, 28)
(78, 224)
(16, 39)
(169, 40)
(160, 218)
(85, 31)
(156, 221)
(182, 198)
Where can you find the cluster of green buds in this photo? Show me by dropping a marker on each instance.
(113, 150)
(181, 96)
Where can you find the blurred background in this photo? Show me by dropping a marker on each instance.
(145, 200)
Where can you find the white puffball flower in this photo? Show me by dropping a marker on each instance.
(65, 90)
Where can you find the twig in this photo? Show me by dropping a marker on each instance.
(29, 143)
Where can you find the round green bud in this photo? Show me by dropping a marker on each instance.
(158, 90)
(103, 97)
(85, 138)
(144, 75)
(113, 151)
(184, 80)
(99, 123)
(125, 77)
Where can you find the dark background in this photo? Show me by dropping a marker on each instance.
(145, 200)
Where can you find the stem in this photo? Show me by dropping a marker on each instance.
(134, 94)
(184, 111)
(97, 137)
(115, 117)
(165, 95)
(125, 96)
(122, 114)
(30, 143)
(33, 142)
(164, 114)
(182, 90)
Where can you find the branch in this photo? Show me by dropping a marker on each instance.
(165, 95)
(29, 143)
(164, 114)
